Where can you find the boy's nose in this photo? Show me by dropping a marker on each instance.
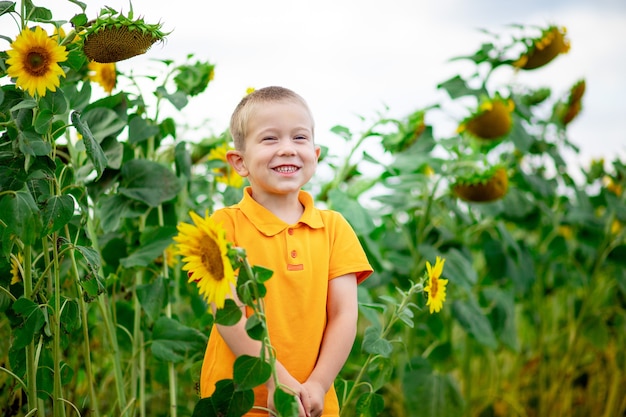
(286, 148)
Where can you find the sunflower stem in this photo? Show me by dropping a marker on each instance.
(31, 364)
(103, 303)
(168, 312)
(57, 400)
(404, 303)
(94, 409)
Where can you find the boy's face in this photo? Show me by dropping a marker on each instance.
(280, 155)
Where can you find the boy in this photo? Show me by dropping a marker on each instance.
(311, 302)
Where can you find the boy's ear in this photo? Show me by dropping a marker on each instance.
(235, 159)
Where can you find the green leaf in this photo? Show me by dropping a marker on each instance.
(20, 214)
(262, 274)
(173, 341)
(459, 270)
(92, 257)
(56, 212)
(255, 327)
(92, 146)
(182, 160)
(194, 79)
(103, 122)
(43, 121)
(140, 130)
(34, 320)
(7, 7)
(178, 99)
(342, 131)
(250, 372)
(286, 404)
(597, 332)
(228, 315)
(502, 316)
(152, 297)
(152, 249)
(93, 287)
(54, 102)
(380, 372)
(148, 182)
(456, 87)
(472, 319)
(225, 401)
(112, 208)
(369, 404)
(429, 394)
(352, 210)
(374, 344)
(30, 143)
(113, 151)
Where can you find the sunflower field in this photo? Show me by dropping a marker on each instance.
(500, 273)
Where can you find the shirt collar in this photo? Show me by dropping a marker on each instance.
(268, 224)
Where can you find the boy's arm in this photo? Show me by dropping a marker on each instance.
(240, 343)
(342, 311)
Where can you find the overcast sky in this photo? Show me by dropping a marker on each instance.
(352, 58)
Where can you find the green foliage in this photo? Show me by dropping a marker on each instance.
(97, 316)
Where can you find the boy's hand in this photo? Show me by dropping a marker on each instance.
(292, 386)
(316, 398)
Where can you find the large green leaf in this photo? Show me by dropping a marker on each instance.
(286, 403)
(173, 342)
(92, 145)
(225, 401)
(502, 316)
(373, 343)
(472, 319)
(148, 182)
(31, 143)
(430, 394)
(20, 214)
(152, 297)
(250, 372)
(139, 129)
(151, 248)
(459, 270)
(33, 321)
(352, 210)
(103, 122)
(56, 212)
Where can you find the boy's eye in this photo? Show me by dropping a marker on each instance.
(300, 137)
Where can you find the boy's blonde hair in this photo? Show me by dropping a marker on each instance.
(247, 105)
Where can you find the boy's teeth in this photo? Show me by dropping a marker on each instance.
(285, 169)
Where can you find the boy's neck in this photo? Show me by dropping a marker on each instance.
(286, 207)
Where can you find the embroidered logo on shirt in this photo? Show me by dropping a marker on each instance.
(297, 267)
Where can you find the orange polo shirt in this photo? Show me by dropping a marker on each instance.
(304, 257)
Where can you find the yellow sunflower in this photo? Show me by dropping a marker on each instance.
(16, 270)
(103, 74)
(225, 174)
(491, 121)
(544, 49)
(34, 61)
(205, 256)
(436, 287)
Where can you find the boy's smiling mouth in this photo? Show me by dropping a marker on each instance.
(286, 169)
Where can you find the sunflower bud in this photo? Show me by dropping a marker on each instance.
(491, 122)
(116, 38)
(544, 49)
(480, 189)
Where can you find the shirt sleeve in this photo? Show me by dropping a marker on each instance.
(347, 255)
